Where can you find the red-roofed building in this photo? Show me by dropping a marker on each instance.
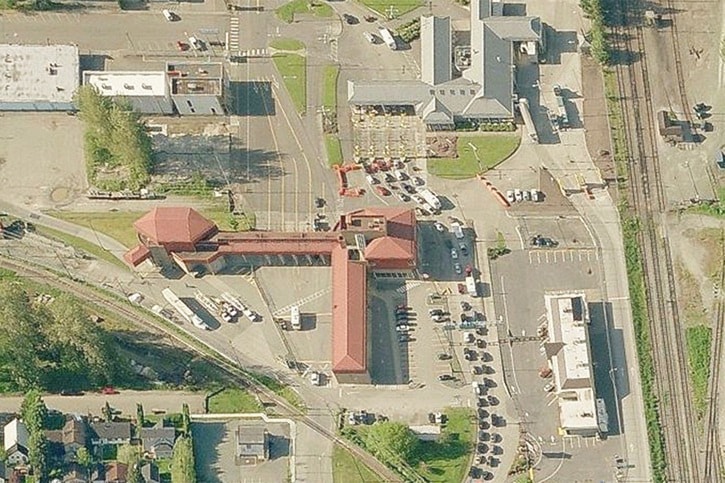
(378, 239)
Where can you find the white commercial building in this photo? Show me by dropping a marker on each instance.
(147, 92)
(569, 353)
(38, 77)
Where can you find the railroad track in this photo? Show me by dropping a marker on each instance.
(649, 204)
(713, 452)
(140, 318)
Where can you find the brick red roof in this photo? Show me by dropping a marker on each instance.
(349, 314)
(166, 225)
(399, 244)
(136, 255)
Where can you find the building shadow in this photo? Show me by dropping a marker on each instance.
(279, 446)
(251, 98)
(557, 43)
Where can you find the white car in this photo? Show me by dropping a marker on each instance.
(535, 196)
(351, 419)
(402, 328)
(457, 268)
(527, 195)
(510, 196)
(135, 298)
(400, 175)
(195, 43)
(439, 226)
(549, 387)
(226, 317)
(315, 378)
(372, 179)
(454, 254)
(518, 195)
(170, 16)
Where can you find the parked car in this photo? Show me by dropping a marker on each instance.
(454, 254)
(402, 328)
(549, 386)
(409, 189)
(372, 38)
(446, 377)
(169, 15)
(418, 181)
(182, 46)
(109, 390)
(372, 179)
(443, 356)
(439, 226)
(510, 196)
(315, 379)
(517, 195)
(350, 19)
(457, 268)
(463, 248)
(403, 197)
(382, 190)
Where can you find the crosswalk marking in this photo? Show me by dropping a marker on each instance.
(233, 34)
(302, 301)
(537, 257)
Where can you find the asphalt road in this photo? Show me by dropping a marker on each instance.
(91, 403)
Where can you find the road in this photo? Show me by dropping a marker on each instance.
(91, 403)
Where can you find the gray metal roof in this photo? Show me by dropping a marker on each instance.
(497, 68)
(435, 35)
(39, 75)
(150, 104)
(515, 29)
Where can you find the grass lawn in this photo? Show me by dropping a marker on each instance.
(117, 224)
(346, 469)
(399, 7)
(698, 356)
(234, 400)
(491, 149)
(293, 69)
(447, 459)
(81, 244)
(287, 44)
(329, 89)
(286, 12)
(334, 150)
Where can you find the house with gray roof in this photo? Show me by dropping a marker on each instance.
(485, 91)
(158, 441)
(252, 444)
(110, 433)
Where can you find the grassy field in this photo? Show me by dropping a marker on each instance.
(287, 44)
(81, 244)
(699, 339)
(117, 224)
(286, 12)
(329, 89)
(234, 400)
(346, 469)
(396, 7)
(293, 69)
(334, 150)
(447, 459)
(491, 150)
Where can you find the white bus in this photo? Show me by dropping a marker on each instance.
(430, 198)
(388, 38)
(183, 309)
(295, 318)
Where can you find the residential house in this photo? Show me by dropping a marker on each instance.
(75, 474)
(75, 436)
(16, 443)
(110, 433)
(252, 444)
(158, 441)
(150, 473)
(116, 472)
(98, 473)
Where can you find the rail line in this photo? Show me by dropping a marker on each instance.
(649, 204)
(713, 452)
(236, 374)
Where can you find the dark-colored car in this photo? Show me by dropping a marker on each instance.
(319, 202)
(446, 377)
(350, 19)
(71, 392)
(444, 356)
(480, 343)
(408, 188)
(474, 472)
(370, 18)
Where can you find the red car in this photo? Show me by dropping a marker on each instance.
(109, 390)
(182, 46)
(383, 190)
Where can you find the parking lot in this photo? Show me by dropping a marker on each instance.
(214, 448)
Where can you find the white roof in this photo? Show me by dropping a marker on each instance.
(15, 432)
(38, 73)
(129, 84)
(568, 348)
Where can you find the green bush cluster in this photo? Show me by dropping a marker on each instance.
(498, 126)
(115, 139)
(594, 10)
(409, 31)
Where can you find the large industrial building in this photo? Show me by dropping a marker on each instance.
(569, 354)
(38, 77)
(480, 88)
(367, 241)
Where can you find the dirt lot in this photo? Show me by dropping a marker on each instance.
(41, 159)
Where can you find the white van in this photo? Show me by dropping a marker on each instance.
(195, 43)
(168, 15)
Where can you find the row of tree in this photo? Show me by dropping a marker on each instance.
(52, 346)
(34, 414)
(182, 459)
(594, 10)
(115, 141)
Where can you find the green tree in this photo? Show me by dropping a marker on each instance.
(139, 416)
(600, 47)
(185, 420)
(390, 440)
(135, 475)
(37, 451)
(107, 412)
(182, 461)
(85, 459)
(33, 411)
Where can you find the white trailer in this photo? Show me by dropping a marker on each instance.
(207, 303)
(388, 38)
(183, 309)
(430, 198)
(471, 286)
(295, 318)
(528, 121)
(457, 230)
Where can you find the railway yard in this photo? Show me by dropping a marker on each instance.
(534, 315)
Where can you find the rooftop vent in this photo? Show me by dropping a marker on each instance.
(106, 87)
(128, 86)
(146, 86)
